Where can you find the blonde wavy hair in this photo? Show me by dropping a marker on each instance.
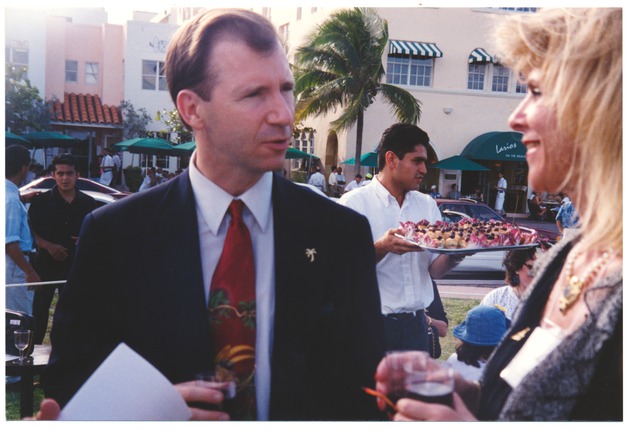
(579, 52)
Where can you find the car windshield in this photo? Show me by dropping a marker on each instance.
(473, 211)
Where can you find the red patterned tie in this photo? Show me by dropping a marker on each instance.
(232, 310)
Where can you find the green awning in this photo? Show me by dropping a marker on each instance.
(458, 162)
(296, 153)
(496, 145)
(419, 49)
(479, 55)
(368, 160)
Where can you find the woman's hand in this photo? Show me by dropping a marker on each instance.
(415, 410)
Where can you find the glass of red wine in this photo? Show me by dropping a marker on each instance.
(432, 384)
(219, 379)
(396, 361)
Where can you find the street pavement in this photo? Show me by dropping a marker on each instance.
(466, 289)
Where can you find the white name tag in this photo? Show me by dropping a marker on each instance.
(541, 342)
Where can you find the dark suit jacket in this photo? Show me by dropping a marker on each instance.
(137, 279)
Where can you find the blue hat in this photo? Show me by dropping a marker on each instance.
(484, 326)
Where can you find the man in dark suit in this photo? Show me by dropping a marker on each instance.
(144, 265)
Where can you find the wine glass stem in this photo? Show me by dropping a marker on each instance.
(21, 356)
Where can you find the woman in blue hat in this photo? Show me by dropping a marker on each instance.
(478, 336)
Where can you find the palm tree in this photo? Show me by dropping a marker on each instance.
(340, 65)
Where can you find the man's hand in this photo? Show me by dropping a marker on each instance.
(389, 242)
(57, 252)
(199, 394)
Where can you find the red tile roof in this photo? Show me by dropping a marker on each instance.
(84, 109)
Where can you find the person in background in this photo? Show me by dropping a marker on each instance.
(536, 208)
(117, 176)
(55, 217)
(158, 269)
(567, 217)
(454, 194)
(150, 179)
(518, 274)
(18, 238)
(501, 188)
(562, 358)
(318, 180)
(405, 272)
(367, 180)
(107, 167)
(478, 336)
(341, 178)
(434, 192)
(354, 184)
(478, 195)
(333, 185)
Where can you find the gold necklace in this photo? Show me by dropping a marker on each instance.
(575, 283)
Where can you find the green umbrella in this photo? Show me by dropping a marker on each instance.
(369, 159)
(184, 148)
(14, 139)
(50, 139)
(145, 145)
(458, 162)
(296, 153)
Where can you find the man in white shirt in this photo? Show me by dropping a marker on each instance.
(333, 186)
(404, 270)
(354, 184)
(318, 180)
(501, 188)
(107, 168)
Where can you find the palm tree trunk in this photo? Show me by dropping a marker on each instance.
(357, 152)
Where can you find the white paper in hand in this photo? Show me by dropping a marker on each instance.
(126, 387)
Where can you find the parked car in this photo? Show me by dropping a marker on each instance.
(101, 193)
(486, 265)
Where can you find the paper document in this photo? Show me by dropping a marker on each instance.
(126, 387)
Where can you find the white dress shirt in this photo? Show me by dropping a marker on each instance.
(403, 280)
(212, 203)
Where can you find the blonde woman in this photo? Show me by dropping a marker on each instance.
(562, 357)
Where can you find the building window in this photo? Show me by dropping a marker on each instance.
(16, 54)
(153, 76)
(313, 9)
(500, 79)
(72, 71)
(266, 12)
(91, 73)
(404, 69)
(521, 88)
(283, 32)
(476, 76)
(298, 15)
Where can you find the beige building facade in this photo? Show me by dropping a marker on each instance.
(464, 93)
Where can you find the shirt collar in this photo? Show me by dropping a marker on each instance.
(10, 187)
(212, 201)
(382, 193)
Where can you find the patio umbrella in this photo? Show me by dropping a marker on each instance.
(458, 162)
(145, 145)
(14, 139)
(369, 159)
(184, 148)
(293, 153)
(50, 139)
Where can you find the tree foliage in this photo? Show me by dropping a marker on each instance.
(340, 65)
(25, 110)
(174, 124)
(135, 121)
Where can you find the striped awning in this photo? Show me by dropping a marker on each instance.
(479, 55)
(421, 49)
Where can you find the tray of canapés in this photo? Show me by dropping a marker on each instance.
(468, 236)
